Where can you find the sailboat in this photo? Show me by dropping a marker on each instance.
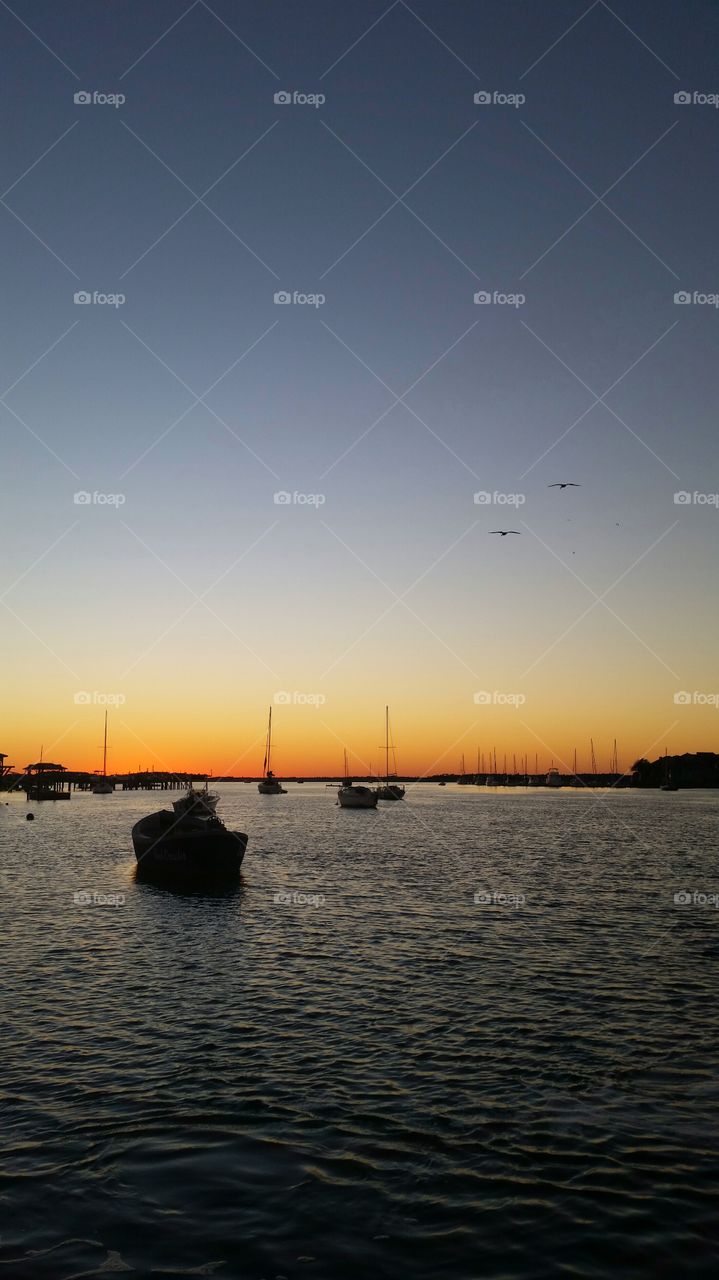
(102, 786)
(269, 785)
(390, 790)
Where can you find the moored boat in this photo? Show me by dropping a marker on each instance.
(102, 785)
(351, 797)
(389, 790)
(190, 844)
(270, 785)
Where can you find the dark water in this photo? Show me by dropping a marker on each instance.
(386, 1080)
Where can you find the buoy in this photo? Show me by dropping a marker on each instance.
(29, 817)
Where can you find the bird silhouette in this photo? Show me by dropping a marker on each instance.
(503, 532)
(566, 484)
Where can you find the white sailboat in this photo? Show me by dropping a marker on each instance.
(390, 790)
(102, 786)
(269, 786)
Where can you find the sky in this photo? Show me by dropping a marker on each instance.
(215, 500)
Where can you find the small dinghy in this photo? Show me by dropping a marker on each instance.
(189, 844)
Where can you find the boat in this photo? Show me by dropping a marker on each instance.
(667, 784)
(442, 784)
(101, 786)
(389, 790)
(553, 778)
(190, 843)
(351, 797)
(270, 786)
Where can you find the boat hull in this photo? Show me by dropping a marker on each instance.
(390, 792)
(271, 789)
(357, 798)
(206, 852)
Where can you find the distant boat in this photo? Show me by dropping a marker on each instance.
(269, 786)
(464, 779)
(442, 784)
(101, 787)
(553, 778)
(351, 797)
(390, 790)
(667, 784)
(190, 844)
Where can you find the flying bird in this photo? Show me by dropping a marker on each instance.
(503, 532)
(567, 484)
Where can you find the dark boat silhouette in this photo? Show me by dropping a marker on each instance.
(189, 844)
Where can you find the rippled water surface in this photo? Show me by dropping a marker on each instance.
(348, 1067)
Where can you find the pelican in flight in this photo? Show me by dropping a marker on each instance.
(503, 532)
(566, 484)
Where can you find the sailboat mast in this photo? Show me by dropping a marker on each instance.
(104, 750)
(268, 744)
(386, 744)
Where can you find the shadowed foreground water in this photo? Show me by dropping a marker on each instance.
(386, 1080)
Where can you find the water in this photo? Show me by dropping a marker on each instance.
(378, 1076)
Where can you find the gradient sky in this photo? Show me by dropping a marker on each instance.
(392, 590)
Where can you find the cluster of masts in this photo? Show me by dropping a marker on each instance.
(489, 766)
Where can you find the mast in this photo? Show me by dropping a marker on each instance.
(386, 745)
(268, 745)
(104, 749)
